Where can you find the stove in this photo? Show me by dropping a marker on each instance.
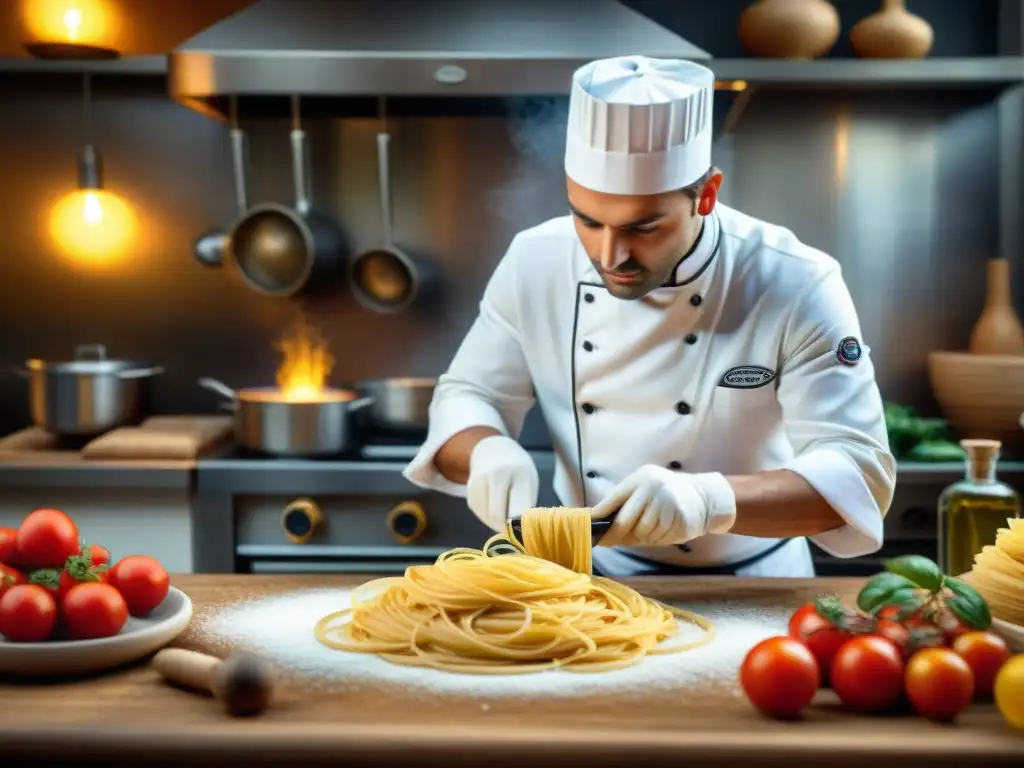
(352, 513)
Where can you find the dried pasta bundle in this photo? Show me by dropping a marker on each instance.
(511, 607)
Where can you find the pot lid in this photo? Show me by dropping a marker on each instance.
(88, 358)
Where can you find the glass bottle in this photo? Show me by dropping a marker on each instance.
(973, 509)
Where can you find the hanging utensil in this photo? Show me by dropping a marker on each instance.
(211, 247)
(388, 279)
(280, 251)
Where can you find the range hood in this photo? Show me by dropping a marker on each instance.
(419, 48)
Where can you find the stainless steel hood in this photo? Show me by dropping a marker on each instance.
(331, 48)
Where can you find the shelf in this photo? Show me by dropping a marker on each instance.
(988, 72)
(129, 65)
(991, 72)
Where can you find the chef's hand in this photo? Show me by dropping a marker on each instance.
(658, 507)
(502, 482)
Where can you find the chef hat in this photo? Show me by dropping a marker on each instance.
(639, 126)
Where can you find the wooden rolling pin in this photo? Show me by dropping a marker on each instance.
(243, 683)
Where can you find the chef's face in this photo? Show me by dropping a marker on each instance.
(636, 241)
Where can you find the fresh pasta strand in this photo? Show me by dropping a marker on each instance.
(510, 608)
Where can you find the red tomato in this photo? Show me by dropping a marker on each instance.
(985, 653)
(98, 555)
(10, 577)
(8, 546)
(897, 633)
(867, 673)
(47, 538)
(142, 581)
(939, 683)
(821, 637)
(67, 581)
(28, 614)
(92, 609)
(780, 676)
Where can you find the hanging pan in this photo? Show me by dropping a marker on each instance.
(280, 251)
(389, 279)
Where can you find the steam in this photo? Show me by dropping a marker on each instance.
(534, 188)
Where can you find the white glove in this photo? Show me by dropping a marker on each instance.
(502, 483)
(658, 507)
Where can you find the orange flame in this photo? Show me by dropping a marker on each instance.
(306, 365)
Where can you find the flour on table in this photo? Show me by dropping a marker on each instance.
(280, 628)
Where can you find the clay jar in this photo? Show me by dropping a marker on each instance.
(892, 33)
(789, 29)
(998, 330)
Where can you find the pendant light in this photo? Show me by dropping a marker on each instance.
(90, 164)
(69, 30)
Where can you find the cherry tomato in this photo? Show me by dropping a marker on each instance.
(984, 653)
(10, 577)
(47, 538)
(28, 614)
(939, 683)
(897, 633)
(93, 609)
(867, 673)
(821, 637)
(780, 676)
(98, 555)
(67, 581)
(8, 546)
(142, 581)
(1008, 691)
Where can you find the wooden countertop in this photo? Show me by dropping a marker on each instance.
(128, 715)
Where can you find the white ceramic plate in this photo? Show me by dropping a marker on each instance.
(138, 638)
(1013, 634)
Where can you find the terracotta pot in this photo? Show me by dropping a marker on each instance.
(998, 330)
(892, 33)
(981, 396)
(789, 29)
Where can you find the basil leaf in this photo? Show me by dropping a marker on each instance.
(967, 605)
(918, 569)
(877, 593)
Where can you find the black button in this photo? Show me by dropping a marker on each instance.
(674, 465)
(696, 299)
(587, 408)
(684, 547)
(588, 297)
(591, 474)
(691, 338)
(588, 346)
(682, 408)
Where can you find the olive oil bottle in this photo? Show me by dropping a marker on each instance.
(973, 509)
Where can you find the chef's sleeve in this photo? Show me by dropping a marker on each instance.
(834, 417)
(487, 384)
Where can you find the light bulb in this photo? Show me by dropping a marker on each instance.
(92, 210)
(72, 23)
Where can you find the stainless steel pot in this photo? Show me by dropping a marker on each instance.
(88, 395)
(399, 404)
(266, 422)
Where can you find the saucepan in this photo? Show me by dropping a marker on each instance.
(389, 279)
(399, 404)
(88, 395)
(267, 421)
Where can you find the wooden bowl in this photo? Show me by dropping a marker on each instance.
(981, 396)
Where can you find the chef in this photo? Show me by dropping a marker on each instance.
(702, 373)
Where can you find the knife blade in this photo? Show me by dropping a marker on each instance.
(598, 528)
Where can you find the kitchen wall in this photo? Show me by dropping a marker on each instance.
(900, 187)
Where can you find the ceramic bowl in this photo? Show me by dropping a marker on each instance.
(981, 396)
(137, 639)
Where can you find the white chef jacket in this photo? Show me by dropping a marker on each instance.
(743, 364)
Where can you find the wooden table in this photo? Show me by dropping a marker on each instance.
(128, 715)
